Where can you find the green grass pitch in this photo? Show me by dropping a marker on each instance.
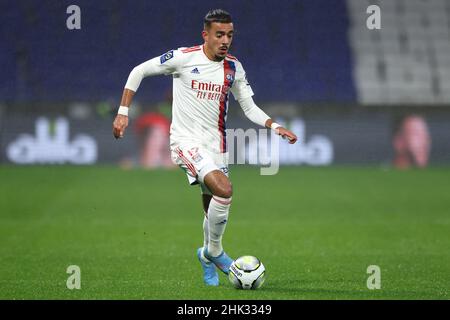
(134, 233)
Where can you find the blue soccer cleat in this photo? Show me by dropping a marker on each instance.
(222, 261)
(210, 276)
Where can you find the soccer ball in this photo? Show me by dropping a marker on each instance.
(247, 272)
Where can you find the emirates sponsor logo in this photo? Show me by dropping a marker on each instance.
(209, 90)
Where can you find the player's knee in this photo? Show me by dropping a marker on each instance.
(218, 184)
(225, 190)
(228, 190)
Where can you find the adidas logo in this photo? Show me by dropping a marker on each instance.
(195, 70)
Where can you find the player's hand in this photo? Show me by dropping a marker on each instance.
(286, 134)
(119, 125)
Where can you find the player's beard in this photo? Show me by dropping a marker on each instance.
(219, 58)
(218, 55)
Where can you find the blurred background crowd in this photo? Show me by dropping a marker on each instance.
(353, 95)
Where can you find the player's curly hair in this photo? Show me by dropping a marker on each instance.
(216, 15)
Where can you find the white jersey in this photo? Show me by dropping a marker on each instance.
(201, 90)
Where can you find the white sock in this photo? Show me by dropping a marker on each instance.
(205, 232)
(217, 221)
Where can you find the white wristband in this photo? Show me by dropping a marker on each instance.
(275, 125)
(123, 111)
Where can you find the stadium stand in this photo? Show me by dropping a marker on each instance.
(302, 57)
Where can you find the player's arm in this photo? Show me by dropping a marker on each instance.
(164, 64)
(258, 116)
(121, 121)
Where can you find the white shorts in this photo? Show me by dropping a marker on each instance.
(197, 162)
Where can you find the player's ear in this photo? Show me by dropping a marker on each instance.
(204, 35)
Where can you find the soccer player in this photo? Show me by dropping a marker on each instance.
(203, 77)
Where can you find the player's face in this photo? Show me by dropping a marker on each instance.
(218, 40)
